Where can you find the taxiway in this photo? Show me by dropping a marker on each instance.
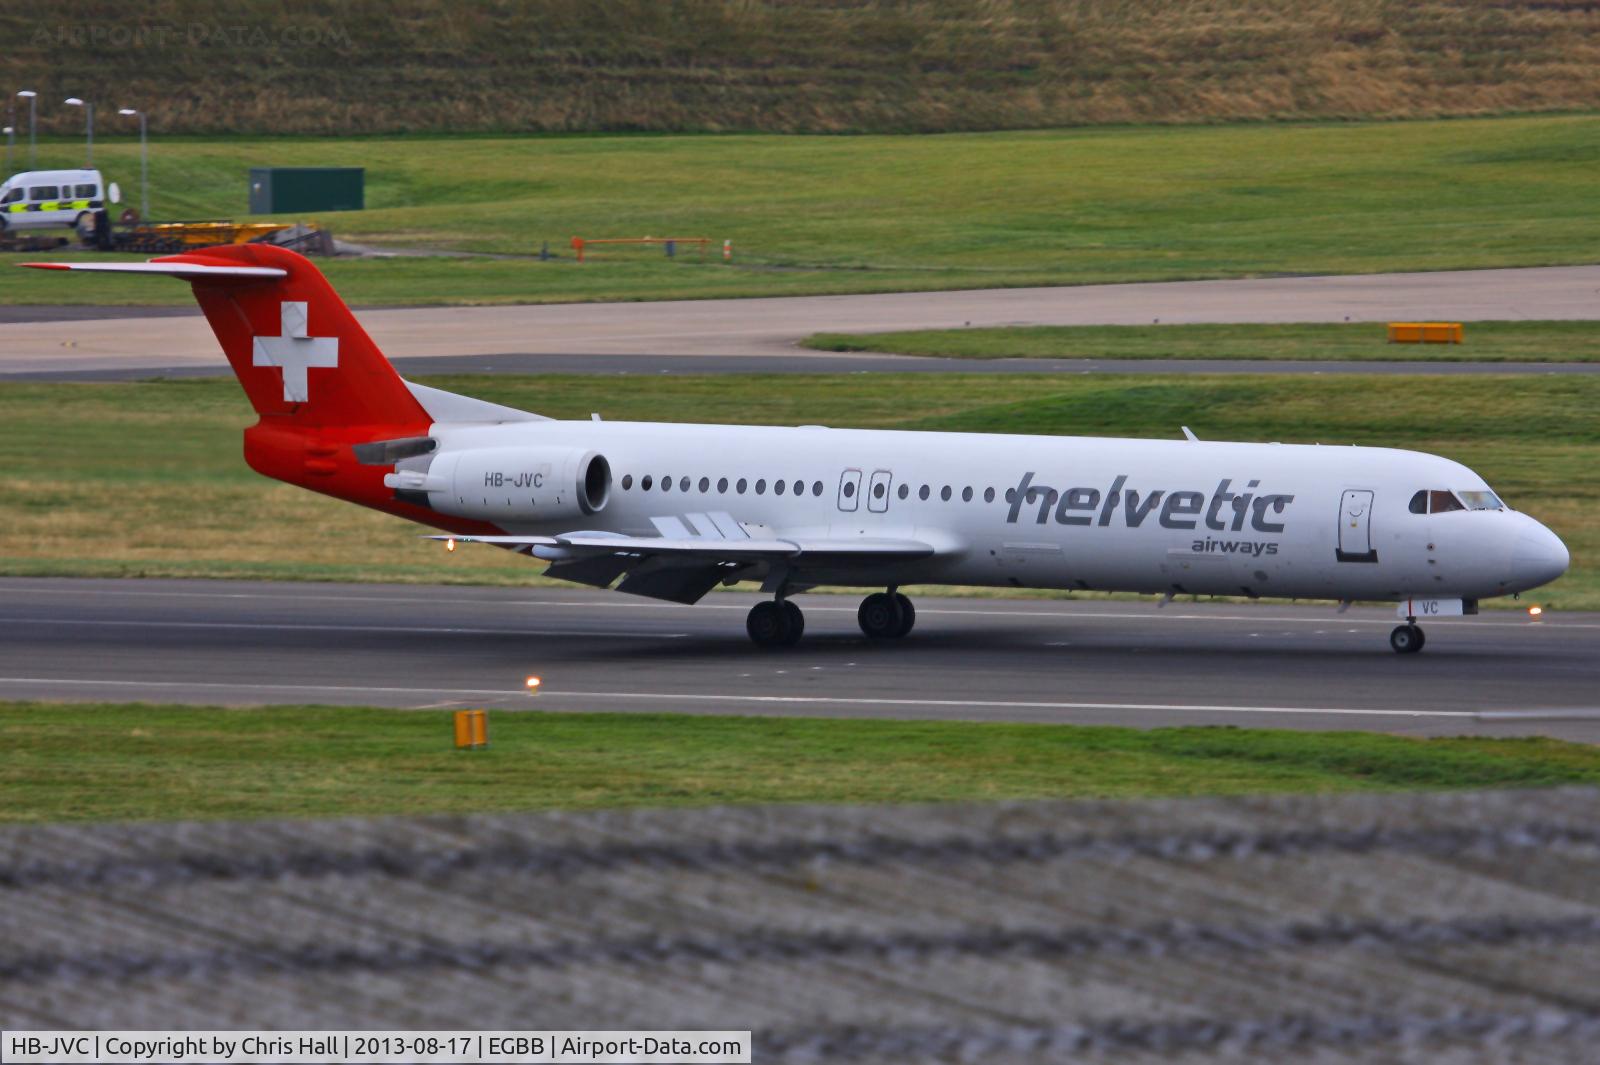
(45, 340)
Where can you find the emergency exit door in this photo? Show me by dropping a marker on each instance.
(849, 490)
(878, 493)
(1355, 527)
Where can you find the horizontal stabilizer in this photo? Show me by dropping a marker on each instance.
(186, 271)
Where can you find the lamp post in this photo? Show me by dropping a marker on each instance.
(33, 127)
(144, 163)
(88, 110)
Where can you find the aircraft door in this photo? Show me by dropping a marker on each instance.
(850, 490)
(1355, 527)
(878, 492)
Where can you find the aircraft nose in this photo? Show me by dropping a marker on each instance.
(1538, 556)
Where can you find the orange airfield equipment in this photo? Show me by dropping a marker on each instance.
(580, 243)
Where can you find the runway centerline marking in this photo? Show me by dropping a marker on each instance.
(1127, 615)
(147, 623)
(790, 700)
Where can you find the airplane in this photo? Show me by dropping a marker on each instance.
(671, 511)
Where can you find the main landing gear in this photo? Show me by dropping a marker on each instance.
(779, 623)
(886, 615)
(1407, 639)
(775, 623)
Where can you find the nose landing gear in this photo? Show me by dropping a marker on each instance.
(1407, 639)
(886, 615)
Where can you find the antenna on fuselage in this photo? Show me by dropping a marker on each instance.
(1188, 434)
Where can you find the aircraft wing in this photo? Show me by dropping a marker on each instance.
(582, 545)
(692, 555)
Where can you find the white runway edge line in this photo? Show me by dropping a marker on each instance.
(1001, 704)
(786, 700)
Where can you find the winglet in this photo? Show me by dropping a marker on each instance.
(1188, 434)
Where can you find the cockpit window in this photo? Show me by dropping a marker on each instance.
(1481, 500)
(1438, 501)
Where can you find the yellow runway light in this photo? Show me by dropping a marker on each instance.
(1535, 611)
(533, 685)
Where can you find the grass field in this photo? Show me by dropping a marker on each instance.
(757, 64)
(99, 762)
(1302, 342)
(149, 479)
(883, 213)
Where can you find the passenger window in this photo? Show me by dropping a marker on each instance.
(646, 482)
(722, 484)
(1440, 502)
(778, 487)
(799, 488)
(877, 491)
(849, 489)
(1419, 502)
(816, 488)
(944, 493)
(761, 486)
(683, 484)
(922, 493)
(85, 192)
(1011, 495)
(966, 494)
(43, 192)
(741, 486)
(988, 495)
(627, 481)
(905, 490)
(666, 484)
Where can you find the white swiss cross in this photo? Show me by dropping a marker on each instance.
(295, 352)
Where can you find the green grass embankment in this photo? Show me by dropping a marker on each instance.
(932, 66)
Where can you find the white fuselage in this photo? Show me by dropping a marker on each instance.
(1104, 514)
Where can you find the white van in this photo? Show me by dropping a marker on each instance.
(37, 199)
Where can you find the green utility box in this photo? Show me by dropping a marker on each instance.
(303, 189)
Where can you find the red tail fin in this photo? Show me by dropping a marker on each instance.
(295, 346)
(319, 383)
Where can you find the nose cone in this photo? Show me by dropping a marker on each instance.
(1538, 556)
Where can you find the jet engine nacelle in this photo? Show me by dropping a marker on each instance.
(518, 483)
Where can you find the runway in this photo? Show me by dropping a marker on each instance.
(769, 327)
(1127, 663)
